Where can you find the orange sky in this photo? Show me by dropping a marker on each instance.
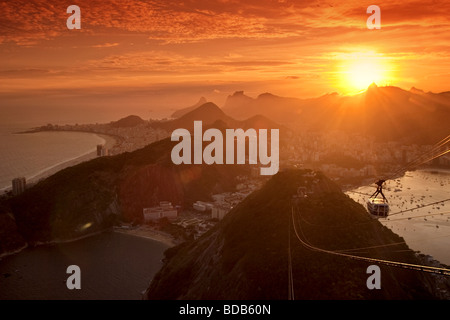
(166, 54)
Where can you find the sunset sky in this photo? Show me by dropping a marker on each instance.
(165, 55)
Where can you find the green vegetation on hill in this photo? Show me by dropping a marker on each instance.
(92, 196)
(245, 255)
(10, 238)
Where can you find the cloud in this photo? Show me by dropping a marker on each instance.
(206, 40)
(106, 45)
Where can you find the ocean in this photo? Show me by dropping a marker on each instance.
(425, 228)
(31, 155)
(120, 266)
(112, 265)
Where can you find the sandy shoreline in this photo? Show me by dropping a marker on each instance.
(110, 142)
(148, 233)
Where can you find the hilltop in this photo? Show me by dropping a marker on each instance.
(208, 113)
(181, 112)
(129, 121)
(245, 255)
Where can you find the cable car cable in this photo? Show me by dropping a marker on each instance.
(442, 271)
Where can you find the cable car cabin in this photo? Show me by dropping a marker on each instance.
(378, 207)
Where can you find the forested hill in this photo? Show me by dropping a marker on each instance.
(246, 255)
(91, 196)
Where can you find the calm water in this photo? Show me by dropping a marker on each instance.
(113, 266)
(30, 154)
(425, 229)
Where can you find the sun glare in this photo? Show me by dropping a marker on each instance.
(359, 71)
(362, 74)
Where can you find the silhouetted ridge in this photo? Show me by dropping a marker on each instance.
(407, 116)
(245, 255)
(130, 121)
(93, 195)
(182, 112)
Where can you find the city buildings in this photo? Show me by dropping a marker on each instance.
(164, 210)
(219, 211)
(101, 150)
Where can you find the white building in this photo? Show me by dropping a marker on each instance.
(202, 206)
(164, 210)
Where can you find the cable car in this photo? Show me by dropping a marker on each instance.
(378, 207)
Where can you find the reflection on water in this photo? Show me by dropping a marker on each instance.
(113, 266)
(426, 228)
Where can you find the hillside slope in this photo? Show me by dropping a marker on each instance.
(93, 195)
(246, 255)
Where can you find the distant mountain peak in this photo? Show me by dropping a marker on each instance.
(237, 94)
(208, 106)
(267, 95)
(182, 112)
(208, 113)
(202, 101)
(237, 100)
(129, 121)
(373, 85)
(417, 91)
(206, 110)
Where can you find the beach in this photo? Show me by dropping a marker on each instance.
(109, 142)
(147, 232)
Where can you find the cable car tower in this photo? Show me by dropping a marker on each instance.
(378, 207)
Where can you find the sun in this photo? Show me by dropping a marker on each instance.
(361, 74)
(358, 71)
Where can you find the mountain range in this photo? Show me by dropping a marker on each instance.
(182, 112)
(386, 113)
(213, 116)
(245, 255)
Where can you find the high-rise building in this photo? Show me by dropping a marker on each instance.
(101, 150)
(19, 185)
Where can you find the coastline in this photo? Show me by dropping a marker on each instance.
(148, 233)
(141, 232)
(423, 229)
(38, 244)
(10, 253)
(109, 142)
